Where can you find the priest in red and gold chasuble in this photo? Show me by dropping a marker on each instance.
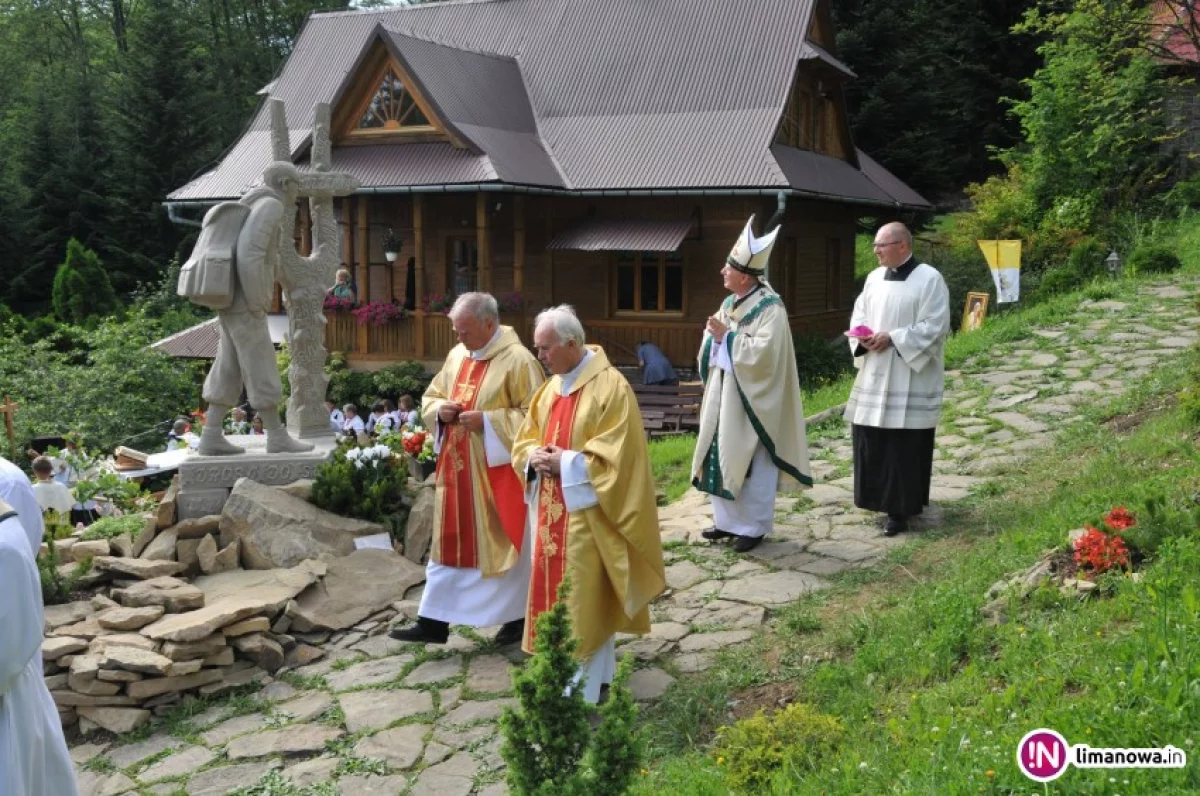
(583, 457)
(478, 562)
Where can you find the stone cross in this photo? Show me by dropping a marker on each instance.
(305, 279)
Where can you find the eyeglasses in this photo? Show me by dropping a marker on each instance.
(884, 245)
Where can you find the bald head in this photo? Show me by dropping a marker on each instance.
(893, 245)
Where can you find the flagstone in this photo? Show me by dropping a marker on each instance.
(399, 747)
(489, 674)
(375, 672)
(453, 777)
(772, 588)
(373, 710)
(435, 671)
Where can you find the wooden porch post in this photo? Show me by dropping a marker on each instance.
(419, 273)
(482, 241)
(306, 236)
(519, 243)
(364, 266)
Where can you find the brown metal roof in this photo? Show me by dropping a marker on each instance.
(432, 163)
(200, 341)
(661, 235)
(572, 95)
(196, 342)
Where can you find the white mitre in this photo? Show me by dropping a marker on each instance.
(750, 254)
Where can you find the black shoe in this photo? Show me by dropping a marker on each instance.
(896, 523)
(744, 544)
(716, 534)
(510, 633)
(428, 631)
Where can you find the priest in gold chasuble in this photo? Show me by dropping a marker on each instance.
(583, 458)
(752, 439)
(478, 570)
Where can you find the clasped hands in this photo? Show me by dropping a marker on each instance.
(451, 413)
(547, 460)
(877, 342)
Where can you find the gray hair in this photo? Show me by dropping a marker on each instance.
(481, 305)
(564, 321)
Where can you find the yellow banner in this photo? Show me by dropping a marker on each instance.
(1004, 259)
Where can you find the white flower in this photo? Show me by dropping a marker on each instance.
(353, 454)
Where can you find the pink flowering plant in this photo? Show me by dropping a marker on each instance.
(510, 302)
(379, 313)
(334, 303)
(437, 302)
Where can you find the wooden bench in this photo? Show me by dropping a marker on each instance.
(669, 410)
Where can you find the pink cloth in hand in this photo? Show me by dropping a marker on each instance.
(859, 331)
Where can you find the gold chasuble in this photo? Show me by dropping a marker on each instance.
(758, 402)
(479, 511)
(612, 551)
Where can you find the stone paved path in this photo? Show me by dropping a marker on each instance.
(376, 717)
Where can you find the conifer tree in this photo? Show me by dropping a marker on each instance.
(549, 745)
(81, 286)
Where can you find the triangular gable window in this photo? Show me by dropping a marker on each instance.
(384, 102)
(392, 107)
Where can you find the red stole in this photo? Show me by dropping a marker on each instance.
(454, 473)
(459, 538)
(550, 538)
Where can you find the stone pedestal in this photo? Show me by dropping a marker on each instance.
(205, 481)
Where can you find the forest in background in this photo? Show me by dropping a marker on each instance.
(108, 105)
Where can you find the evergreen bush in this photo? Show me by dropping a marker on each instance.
(1087, 259)
(548, 742)
(797, 737)
(81, 286)
(1154, 259)
(57, 588)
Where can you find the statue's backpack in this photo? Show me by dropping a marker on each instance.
(207, 276)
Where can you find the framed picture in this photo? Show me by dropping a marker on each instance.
(975, 311)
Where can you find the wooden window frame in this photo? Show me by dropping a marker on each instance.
(615, 264)
(471, 241)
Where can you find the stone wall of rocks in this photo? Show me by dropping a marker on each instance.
(204, 606)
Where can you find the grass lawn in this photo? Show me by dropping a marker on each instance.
(932, 697)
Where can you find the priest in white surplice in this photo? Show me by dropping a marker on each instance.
(897, 395)
(33, 754)
(752, 441)
(478, 572)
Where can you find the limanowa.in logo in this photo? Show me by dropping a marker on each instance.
(1043, 755)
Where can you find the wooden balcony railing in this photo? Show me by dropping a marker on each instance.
(429, 336)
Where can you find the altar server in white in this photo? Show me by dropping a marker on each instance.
(752, 438)
(33, 753)
(897, 395)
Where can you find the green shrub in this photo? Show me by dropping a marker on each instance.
(1063, 279)
(1157, 522)
(548, 744)
(57, 588)
(819, 361)
(112, 527)
(348, 386)
(1153, 259)
(400, 378)
(81, 287)
(797, 738)
(365, 483)
(1086, 259)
